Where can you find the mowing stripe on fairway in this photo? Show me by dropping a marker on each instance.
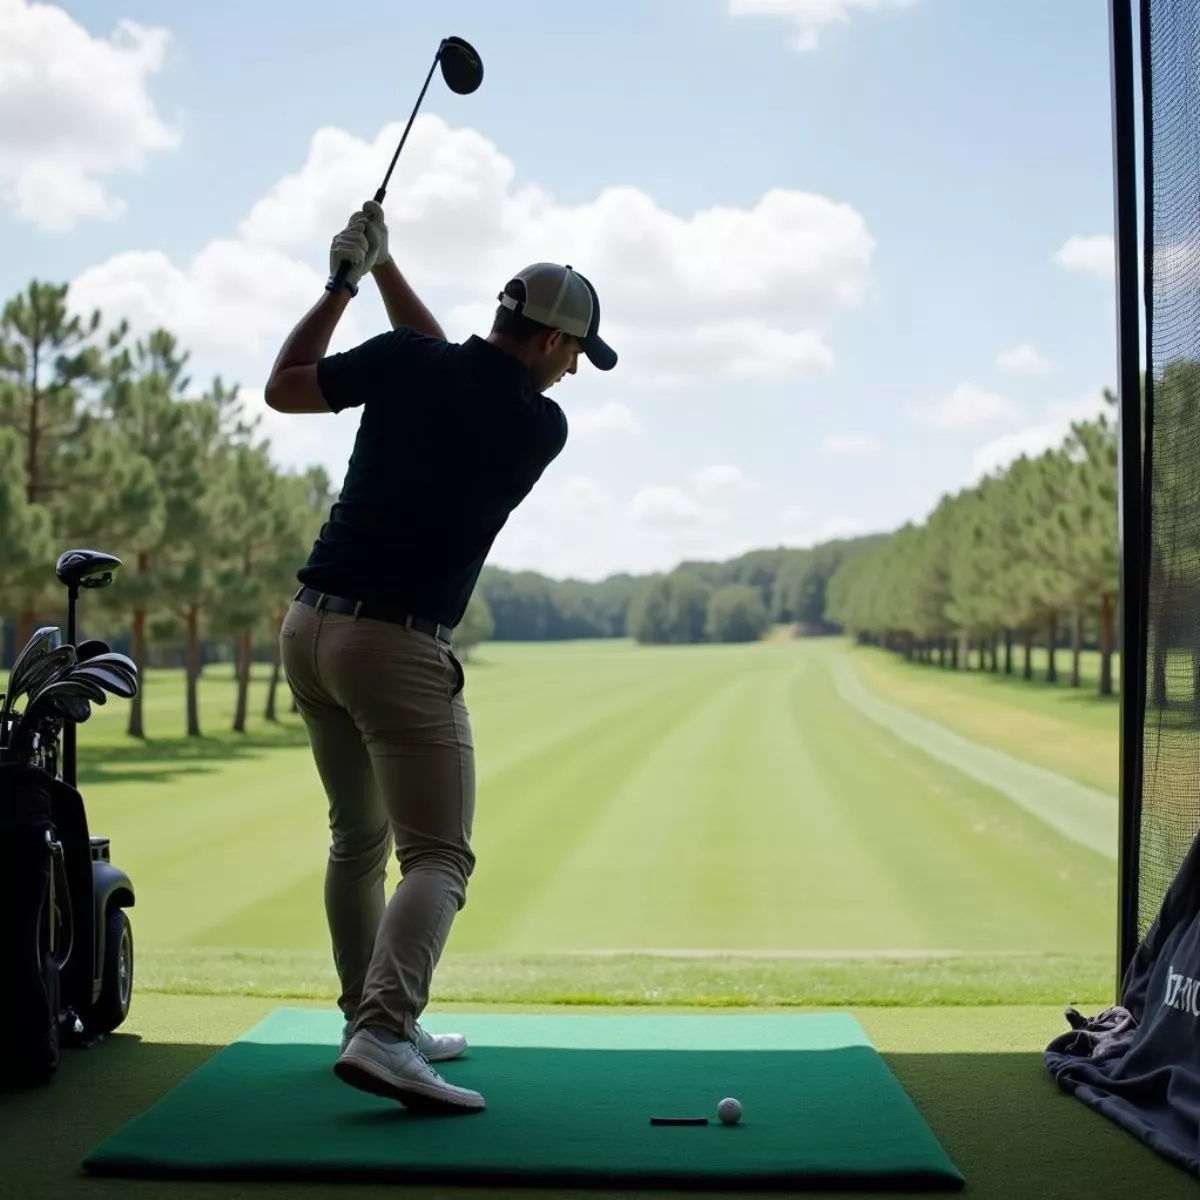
(1083, 814)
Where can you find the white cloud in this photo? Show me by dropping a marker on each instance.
(1090, 255)
(663, 506)
(1023, 359)
(722, 480)
(787, 266)
(1033, 440)
(609, 420)
(966, 407)
(233, 302)
(304, 439)
(584, 496)
(850, 444)
(840, 526)
(809, 18)
(73, 107)
(802, 527)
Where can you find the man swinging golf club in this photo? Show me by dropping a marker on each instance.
(452, 438)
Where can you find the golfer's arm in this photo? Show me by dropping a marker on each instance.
(403, 306)
(292, 385)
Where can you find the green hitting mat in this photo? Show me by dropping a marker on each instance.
(569, 1103)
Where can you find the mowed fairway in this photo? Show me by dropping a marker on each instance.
(678, 799)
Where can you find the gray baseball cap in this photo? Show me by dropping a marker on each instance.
(561, 298)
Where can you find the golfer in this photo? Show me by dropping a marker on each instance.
(452, 437)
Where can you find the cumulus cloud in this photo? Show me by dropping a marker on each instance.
(664, 506)
(801, 526)
(809, 18)
(1090, 255)
(737, 293)
(231, 303)
(965, 408)
(1023, 359)
(1046, 434)
(850, 444)
(722, 480)
(73, 109)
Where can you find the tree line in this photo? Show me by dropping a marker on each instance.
(698, 601)
(105, 443)
(1027, 557)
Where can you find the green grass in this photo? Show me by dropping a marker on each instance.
(679, 802)
(1073, 731)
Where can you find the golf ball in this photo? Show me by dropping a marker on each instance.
(730, 1111)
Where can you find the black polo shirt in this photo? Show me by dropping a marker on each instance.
(451, 439)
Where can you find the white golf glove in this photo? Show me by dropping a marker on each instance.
(354, 246)
(378, 228)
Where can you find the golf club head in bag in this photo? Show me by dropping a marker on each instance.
(65, 699)
(49, 667)
(90, 648)
(43, 641)
(110, 679)
(462, 72)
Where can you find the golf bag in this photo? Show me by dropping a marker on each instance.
(33, 887)
(1138, 1062)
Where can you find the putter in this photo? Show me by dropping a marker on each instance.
(462, 69)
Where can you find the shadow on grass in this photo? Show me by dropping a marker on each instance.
(1087, 694)
(160, 760)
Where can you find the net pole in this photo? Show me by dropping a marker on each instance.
(1130, 491)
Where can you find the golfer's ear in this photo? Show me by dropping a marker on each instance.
(296, 390)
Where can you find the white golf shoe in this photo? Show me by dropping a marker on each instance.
(400, 1071)
(437, 1047)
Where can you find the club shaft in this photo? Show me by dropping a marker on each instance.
(379, 195)
(68, 733)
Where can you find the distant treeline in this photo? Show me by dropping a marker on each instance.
(105, 443)
(698, 601)
(1027, 557)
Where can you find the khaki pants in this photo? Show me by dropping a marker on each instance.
(391, 737)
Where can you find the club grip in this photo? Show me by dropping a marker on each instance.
(337, 281)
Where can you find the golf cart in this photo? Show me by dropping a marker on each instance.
(66, 945)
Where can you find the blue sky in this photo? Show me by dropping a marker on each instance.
(792, 369)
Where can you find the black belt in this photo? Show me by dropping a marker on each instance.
(372, 612)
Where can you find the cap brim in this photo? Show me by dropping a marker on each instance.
(599, 353)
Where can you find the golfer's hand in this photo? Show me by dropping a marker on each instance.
(377, 229)
(354, 246)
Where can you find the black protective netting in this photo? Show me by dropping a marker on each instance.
(1170, 813)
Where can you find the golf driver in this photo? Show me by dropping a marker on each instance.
(462, 69)
(76, 570)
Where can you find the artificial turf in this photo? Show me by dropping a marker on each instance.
(975, 1075)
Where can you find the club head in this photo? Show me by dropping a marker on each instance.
(87, 568)
(61, 697)
(43, 670)
(114, 661)
(46, 639)
(89, 649)
(72, 707)
(111, 679)
(462, 68)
